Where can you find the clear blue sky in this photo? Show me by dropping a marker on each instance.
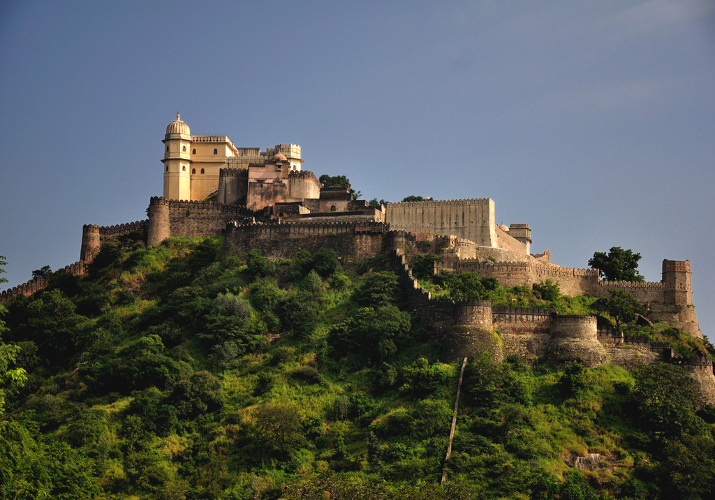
(594, 122)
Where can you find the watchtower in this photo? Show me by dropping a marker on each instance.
(676, 278)
(177, 161)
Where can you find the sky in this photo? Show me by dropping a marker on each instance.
(593, 122)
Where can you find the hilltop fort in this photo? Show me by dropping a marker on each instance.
(265, 200)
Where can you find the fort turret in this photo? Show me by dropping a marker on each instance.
(177, 160)
(676, 278)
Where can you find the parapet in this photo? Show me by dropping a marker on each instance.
(676, 266)
(233, 172)
(158, 200)
(302, 174)
(126, 228)
(437, 203)
(37, 284)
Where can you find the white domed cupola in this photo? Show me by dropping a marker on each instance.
(177, 128)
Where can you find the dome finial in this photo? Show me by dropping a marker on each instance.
(178, 116)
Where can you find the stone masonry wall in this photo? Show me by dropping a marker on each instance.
(508, 242)
(471, 219)
(76, 269)
(354, 241)
(524, 331)
(197, 218)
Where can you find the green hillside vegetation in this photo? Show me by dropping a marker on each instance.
(185, 371)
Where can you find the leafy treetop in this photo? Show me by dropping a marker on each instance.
(617, 265)
(620, 306)
(338, 181)
(42, 272)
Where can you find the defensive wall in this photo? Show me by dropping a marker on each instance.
(353, 240)
(35, 285)
(190, 218)
(232, 186)
(471, 219)
(674, 288)
(92, 236)
(535, 333)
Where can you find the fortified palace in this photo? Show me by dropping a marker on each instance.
(265, 200)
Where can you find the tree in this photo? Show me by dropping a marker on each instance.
(9, 377)
(371, 334)
(465, 286)
(338, 181)
(413, 198)
(42, 272)
(617, 265)
(378, 288)
(620, 306)
(666, 401)
(279, 424)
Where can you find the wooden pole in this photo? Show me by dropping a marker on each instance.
(454, 423)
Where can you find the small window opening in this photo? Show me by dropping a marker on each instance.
(194, 152)
(167, 149)
(184, 149)
(332, 208)
(193, 170)
(202, 170)
(215, 151)
(183, 168)
(167, 168)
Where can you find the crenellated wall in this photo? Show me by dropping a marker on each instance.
(674, 289)
(190, 218)
(353, 240)
(93, 234)
(75, 269)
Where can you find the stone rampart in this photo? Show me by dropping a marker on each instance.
(121, 229)
(571, 281)
(508, 242)
(353, 240)
(524, 331)
(75, 269)
(471, 219)
(232, 186)
(190, 218)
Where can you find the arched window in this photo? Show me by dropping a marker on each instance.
(183, 149)
(202, 170)
(332, 208)
(183, 168)
(194, 152)
(215, 151)
(193, 170)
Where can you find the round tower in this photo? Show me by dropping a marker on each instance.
(574, 337)
(159, 223)
(90, 243)
(177, 161)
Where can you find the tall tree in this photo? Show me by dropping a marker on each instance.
(617, 265)
(620, 306)
(9, 376)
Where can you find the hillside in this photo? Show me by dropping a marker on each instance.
(193, 370)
